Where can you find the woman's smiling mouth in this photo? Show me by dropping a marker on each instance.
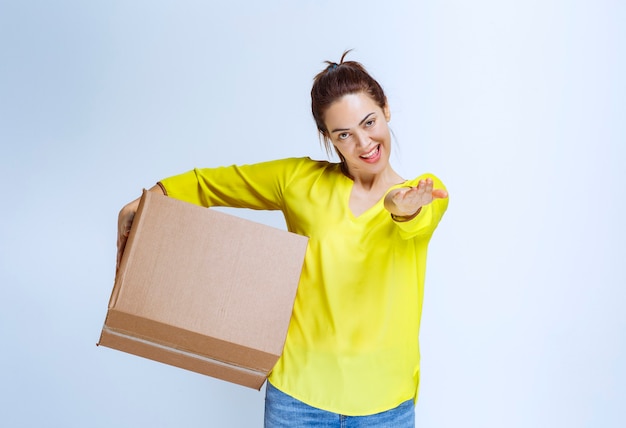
(373, 155)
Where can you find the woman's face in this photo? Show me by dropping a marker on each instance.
(358, 129)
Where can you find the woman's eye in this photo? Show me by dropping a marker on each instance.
(370, 123)
(343, 135)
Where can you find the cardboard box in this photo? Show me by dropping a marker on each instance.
(204, 291)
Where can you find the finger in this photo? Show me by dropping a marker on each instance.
(122, 237)
(121, 244)
(402, 194)
(424, 183)
(121, 241)
(428, 185)
(440, 194)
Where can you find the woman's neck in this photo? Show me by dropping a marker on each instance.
(373, 182)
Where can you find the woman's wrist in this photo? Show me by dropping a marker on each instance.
(403, 218)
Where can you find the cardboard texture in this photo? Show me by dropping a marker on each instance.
(204, 291)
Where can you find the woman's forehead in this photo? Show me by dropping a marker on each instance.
(351, 108)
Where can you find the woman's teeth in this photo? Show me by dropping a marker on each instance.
(370, 154)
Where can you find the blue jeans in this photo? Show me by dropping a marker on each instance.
(284, 411)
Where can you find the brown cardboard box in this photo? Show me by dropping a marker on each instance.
(204, 291)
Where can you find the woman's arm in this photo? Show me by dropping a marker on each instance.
(125, 221)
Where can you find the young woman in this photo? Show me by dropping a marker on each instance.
(351, 357)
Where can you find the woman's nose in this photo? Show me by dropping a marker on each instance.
(362, 139)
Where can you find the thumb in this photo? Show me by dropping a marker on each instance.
(439, 194)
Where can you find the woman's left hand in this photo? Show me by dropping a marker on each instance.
(407, 201)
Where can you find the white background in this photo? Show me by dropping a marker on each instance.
(519, 106)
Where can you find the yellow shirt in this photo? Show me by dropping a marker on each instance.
(352, 344)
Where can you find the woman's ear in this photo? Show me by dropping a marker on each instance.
(387, 112)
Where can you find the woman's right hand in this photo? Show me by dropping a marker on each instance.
(125, 221)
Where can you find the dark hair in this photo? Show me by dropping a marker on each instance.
(335, 81)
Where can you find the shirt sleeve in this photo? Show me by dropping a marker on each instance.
(426, 221)
(256, 186)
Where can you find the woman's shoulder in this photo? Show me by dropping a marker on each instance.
(308, 165)
(302, 173)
